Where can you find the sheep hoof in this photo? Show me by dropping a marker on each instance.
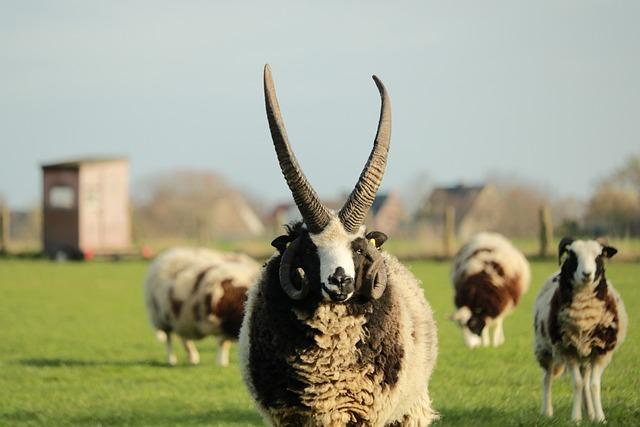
(172, 360)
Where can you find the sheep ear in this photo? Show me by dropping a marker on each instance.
(280, 242)
(562, 247)
(377, 236)
(609, 251)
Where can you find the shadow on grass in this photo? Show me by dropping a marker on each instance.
(487, 416)
(59, 363)
(231, 416)
(457, 416)
(621, 415)
(13, 418)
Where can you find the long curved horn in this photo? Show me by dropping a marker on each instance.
(284, 273)
(314, 213)
(355, 209)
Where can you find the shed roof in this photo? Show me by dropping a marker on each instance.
(378, 203)
(77, 162)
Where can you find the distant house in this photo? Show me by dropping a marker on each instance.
(25, 225)
(282, 214)
(475, 209)
(286, 213)
(233, 217)
(85, 207)
(387, 213)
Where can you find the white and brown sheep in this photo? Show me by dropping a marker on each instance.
(579, 320)
(489, 276)
(197, 292)
(336, 331)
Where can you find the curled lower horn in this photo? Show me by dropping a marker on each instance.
(314, 213)
(354, 211)
(562, 247)
(375, 276)
(284, 273)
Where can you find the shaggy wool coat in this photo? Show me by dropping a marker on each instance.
(313, 363)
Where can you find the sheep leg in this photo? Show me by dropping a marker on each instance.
(223, 351)
(498, 333)
(485, 336)
(547, 405)
(596, 374)
(171, 357)
(161, 335)
(192, 351)
(578, 389)
(587, 398)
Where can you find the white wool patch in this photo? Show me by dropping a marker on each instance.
(334, 251)
(471, 340)
(462, 316)
(491, 247)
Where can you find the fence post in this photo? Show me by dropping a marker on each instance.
(546, 231)
(449, 231)
(4, 228)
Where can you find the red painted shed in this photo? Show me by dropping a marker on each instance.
(86, 207)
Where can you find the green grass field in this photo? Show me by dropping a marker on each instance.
(76, 349)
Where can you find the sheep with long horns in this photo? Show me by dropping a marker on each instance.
(336, 332)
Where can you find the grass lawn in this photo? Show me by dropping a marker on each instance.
(76, 349)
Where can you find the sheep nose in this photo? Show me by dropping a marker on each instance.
(586, 275)
(340, 278)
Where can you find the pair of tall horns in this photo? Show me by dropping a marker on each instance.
(315, 215)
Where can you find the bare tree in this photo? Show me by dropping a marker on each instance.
(628, 175)
(520, 202)
(176, 203)
(614, 210)
(197, 205)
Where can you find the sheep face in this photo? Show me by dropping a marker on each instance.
(337, 270)
(471, 324)
(335, 265)
(582, 262)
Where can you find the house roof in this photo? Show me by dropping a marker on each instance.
(378, 203)
(77, 162)
(460, 197)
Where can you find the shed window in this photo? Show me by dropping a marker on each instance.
(61, 196)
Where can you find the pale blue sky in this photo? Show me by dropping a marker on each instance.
(549, 90)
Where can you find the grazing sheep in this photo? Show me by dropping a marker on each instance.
(195, 293)
(336, 332)
(489, 276)
(579, 320)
